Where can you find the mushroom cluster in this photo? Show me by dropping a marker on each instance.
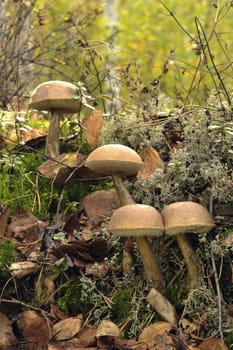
(131, 219)
(141, 221)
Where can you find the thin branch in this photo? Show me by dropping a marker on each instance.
(176, 20)
(201, 31)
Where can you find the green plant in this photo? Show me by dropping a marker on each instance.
(7, 256)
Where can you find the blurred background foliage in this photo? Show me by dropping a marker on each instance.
(154, 41)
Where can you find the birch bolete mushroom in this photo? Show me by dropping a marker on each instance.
(57, 97)
(181, 218)
(118, 161)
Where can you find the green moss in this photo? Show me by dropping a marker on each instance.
(229, 339)
(121, 304)
(71, 300)
(7, 255)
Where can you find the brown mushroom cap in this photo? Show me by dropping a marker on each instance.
(186, 217)
(136, 220)
(56, 95)
(114, 159)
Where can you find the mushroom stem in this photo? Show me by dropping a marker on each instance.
(123, 194)
(150, 263)
(195, 275)
(53, 137)
(149, 260)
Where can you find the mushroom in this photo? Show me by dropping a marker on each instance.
(181, 218)
(57, 97)
(139, 220)
(119, 160)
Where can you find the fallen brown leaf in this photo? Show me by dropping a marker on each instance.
(92, 126)
(67, 328)
(163, 306)
(107, 328)
(23, 268)
(212, 343)
(7, 338)
(25, 228)
(155, 337)
(151, 162)
(45, 287)
(99, 205)
(35, 329)
(4, 216)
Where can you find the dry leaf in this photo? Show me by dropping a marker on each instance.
(92, 126)
(57, 314)
(108, 328)
(163, 306)
(23, 268)
(151, 162)
(99, 205)
(45, 287)
(85, 338)
(189, 327)
(155, 337)
(7, 338)
(24, 226)
(56, 346)
(99, 270)
(32, 135)
(4, 221)
(212, 343)
(35, 330)
(66, 167)
(63, 169)
(67, 328)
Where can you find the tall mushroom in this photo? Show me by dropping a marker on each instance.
(57, 97)
(138, 221)
(119, 160)
(181, 218)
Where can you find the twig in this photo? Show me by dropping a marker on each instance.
(15, 301)
(219, 293)
(216, 278)
(176, 20)
(200, 30)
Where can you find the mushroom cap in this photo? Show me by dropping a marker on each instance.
(186, 217)
(136, 220)
(56, 94)
(114, 159)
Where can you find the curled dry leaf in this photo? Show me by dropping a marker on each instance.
(99, 205)
(151, 162)
(189, 327)
(97, 269)
(212, 343)
(4, 215)
(45, 288)
(155, 337)
(7, 338)
(107, 328)
(35, 329)
(92, 126)
(23, 268)
(163, 306)
(67, 328)
(25, 228)
(85, 339)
